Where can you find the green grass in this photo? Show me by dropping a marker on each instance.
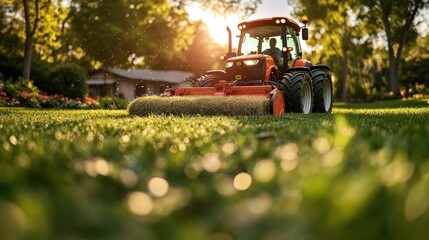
(414, 103)
(359, 173)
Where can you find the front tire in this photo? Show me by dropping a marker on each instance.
(298, 92)
(210, 79)
(322, 87)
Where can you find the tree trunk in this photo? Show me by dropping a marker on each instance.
(395, 59)
(394, 76)
(29, 34)
(28, 55)
(345, 48)
(345, 75)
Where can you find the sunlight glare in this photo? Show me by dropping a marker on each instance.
(216, 24)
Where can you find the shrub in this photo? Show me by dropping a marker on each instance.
(21, 92)
(68, 80)
(40, 74)
(10, 66)
(113, 103)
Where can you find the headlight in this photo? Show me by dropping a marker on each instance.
(251, 62)
(229, 64)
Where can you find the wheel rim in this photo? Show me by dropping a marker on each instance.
(306, 98)
(327, 94)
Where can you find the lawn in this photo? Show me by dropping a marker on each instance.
(359, 173)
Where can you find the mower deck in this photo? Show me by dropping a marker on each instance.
(226, 89)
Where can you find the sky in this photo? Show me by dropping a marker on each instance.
(217, 24)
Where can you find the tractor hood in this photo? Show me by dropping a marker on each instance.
(250, 67)
(249, 60)
(247, 57)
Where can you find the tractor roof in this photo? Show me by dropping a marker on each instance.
(270, 21)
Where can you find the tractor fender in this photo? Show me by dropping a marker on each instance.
(302, 63)
(220, 73)
(271, 69)
(298, 69)
(320, 66)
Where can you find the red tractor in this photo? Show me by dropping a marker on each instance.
(268, 63)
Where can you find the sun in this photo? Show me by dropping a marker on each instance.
(216, 24)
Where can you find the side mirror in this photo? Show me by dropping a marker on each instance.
(304, 33)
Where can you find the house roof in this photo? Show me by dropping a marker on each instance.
(170, 76)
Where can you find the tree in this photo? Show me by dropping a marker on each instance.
(398, 20)
(110, 32)
(29, 28)
(337, 38)
(414, 68)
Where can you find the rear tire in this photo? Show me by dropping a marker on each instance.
(322, 87)
(298, 92)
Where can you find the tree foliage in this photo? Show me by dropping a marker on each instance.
(362, 41)
(111, 32)
(398, 21)
(238, 7)
(95, 33)
(338, 41)
(201, 55)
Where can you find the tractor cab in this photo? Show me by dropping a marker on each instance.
(266, 49)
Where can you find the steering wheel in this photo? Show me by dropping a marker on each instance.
(267, 51)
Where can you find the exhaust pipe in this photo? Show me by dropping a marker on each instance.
(229, 54)
(229, 39)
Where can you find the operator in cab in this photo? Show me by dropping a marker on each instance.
(274, 51)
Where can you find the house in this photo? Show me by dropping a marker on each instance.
(133, 83)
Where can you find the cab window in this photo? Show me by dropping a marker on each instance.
(292, 41)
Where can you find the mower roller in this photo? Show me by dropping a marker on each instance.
(259, 78)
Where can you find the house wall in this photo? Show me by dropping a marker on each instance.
(127, 88)
(153, 88)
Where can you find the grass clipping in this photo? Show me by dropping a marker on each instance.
(209, 106)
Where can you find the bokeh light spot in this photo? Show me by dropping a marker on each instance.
(287, 152)
(158, 186)
(140, 203)
(125, 139)
(128, 177)
(264, 170)
(13, 140)
(224, 184)
(242, 181)
(417, 201)
(321, 144)
(398, 171)
(211, 163)
(260, 204)
(228, 148)
(101, 166)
